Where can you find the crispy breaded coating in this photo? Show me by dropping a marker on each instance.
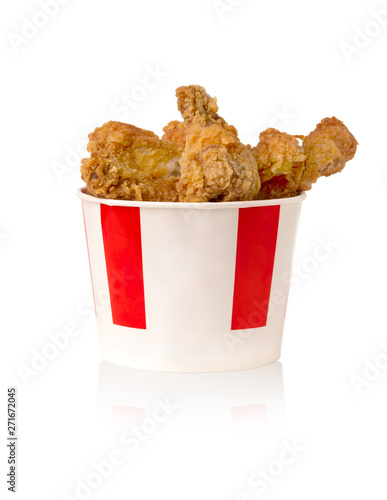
(215, 165)
(202, 159)
(328, 148)
(199, 108)
(281, 162)
(286, 168)
(130, 163)
(175, 132)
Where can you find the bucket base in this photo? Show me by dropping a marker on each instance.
(201, 364)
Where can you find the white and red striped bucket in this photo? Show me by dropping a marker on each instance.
(191, 287)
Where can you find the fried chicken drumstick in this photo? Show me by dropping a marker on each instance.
(286, 168)
(327, 150)
(215, 165)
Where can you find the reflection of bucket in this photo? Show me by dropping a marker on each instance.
(191, 287)
(247, 403)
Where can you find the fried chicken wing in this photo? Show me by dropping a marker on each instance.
(130, 163)
(327, 148)
(281, 162)
(215, 165)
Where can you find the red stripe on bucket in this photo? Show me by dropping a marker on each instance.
(256, 244)
(121, 230)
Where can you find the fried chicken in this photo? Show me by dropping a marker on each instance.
(281, 162)
(215, 165)
(327, 148)
(131, 163)
(198, 108)
(175, 132)
(286, 168)
(202, 159)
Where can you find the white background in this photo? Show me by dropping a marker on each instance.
(275, 63)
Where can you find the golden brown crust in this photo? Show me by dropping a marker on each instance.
(199, 108)
(281, 186)
(286, 168)
(328, 148)
(130, 163)
(281, 162)
(202, 159)
(215, 165)
(175, 132)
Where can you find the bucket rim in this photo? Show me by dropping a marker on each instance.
(294, 200)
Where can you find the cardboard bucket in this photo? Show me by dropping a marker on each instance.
(191, 287)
